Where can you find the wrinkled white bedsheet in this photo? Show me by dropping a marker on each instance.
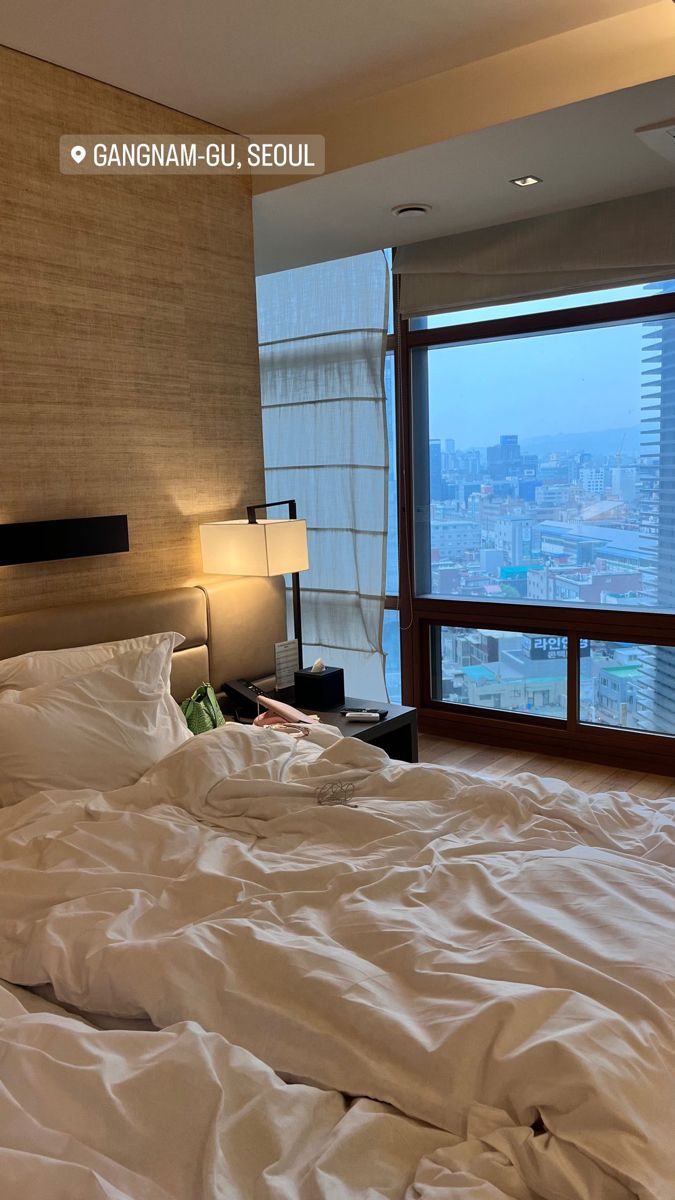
(476, 955)
(183, 1115)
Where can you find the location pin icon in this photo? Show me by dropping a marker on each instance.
(78, 153)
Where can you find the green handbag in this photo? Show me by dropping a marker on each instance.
(201, 710)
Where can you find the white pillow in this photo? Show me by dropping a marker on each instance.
(99, 730)
(49, 666)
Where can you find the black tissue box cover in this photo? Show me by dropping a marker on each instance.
(321, 691)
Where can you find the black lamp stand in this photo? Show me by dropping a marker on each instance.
(251, 510)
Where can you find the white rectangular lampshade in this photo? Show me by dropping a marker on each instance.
(254, 548)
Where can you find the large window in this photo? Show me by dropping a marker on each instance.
(502, 670)
(629, 686)
(540, 507)
(549, 463)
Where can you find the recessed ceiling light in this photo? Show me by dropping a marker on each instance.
(526, 181)
(411, 210)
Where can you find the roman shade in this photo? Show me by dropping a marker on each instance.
(323, 332)
(616, 243)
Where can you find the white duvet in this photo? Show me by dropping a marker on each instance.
(183, 1115)
(483, 958)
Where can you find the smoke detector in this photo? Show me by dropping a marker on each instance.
(411, 210)
(660, 138)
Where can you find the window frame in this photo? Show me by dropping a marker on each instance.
(391, 601)
(420, 614)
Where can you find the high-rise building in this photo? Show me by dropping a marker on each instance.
(657, 522)
(513, 535)
(624, 483)
(554, 471)
(593, 480)
(504, 460)
(452, 539)
(435, 471)
(551, 494)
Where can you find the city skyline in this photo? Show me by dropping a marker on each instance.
(515, 525)
(546, 484)
(587, 523)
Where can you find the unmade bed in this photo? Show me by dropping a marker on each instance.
(441, 986)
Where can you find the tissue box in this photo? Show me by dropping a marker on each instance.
(322, 691)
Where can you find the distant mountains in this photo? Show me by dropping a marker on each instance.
(598, 442)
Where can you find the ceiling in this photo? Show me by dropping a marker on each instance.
(440, 101)
(253, 65)
(583, 152)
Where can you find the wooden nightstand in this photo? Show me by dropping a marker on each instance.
(396, 734)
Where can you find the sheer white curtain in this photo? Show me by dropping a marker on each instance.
(322, 333)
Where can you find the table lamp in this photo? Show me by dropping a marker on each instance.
(253, 547)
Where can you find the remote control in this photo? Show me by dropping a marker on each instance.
(362, 716)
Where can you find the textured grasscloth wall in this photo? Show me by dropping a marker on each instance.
(128, 345)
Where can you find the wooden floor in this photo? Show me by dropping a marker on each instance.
(497, 762)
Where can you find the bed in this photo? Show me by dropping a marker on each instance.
(439, 985)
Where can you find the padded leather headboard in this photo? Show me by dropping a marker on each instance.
(229, 627)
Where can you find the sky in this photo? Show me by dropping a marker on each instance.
(568, 382)
(544, 384)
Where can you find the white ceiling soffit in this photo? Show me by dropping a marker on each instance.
(252, 65)
(584, 153)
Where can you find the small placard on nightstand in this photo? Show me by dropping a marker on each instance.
(286, 663)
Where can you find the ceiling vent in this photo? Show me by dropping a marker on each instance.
(411, 210)
(660, 138)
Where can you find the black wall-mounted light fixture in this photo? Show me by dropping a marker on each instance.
(76, 537)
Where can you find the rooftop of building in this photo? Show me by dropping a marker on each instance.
(615, 541)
